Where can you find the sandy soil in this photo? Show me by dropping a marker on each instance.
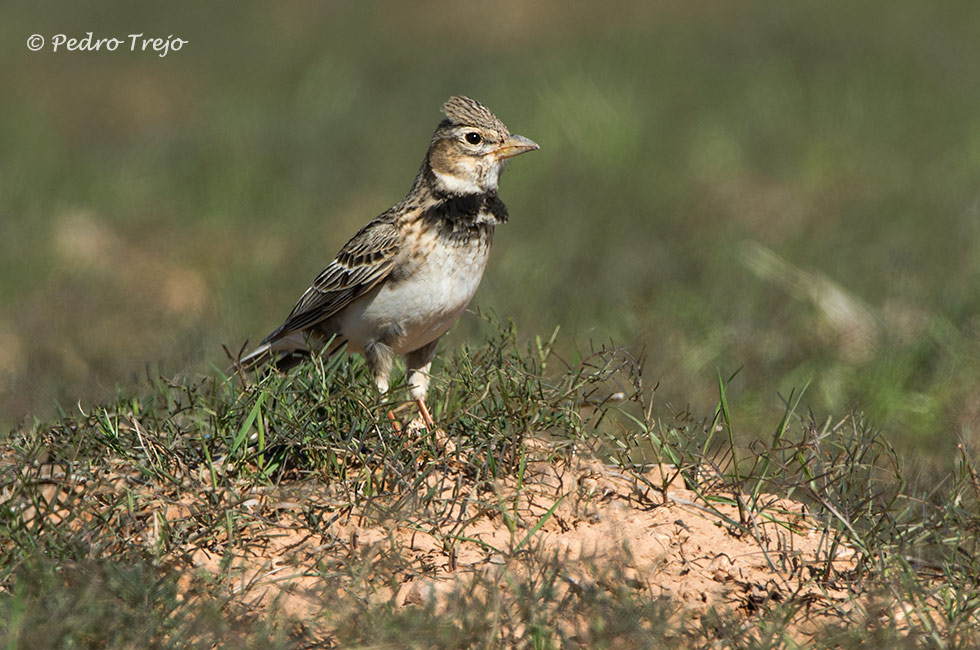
(599, 523)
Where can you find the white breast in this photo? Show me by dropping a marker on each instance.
(423, 305)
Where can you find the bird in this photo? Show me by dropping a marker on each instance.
(405, 278)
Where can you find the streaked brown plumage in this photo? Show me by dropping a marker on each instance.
(404, 278)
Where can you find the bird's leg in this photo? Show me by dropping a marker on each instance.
(379, 359)
(419, 362)
(394, 421)
(424, 412)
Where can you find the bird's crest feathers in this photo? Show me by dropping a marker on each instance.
(463, 111)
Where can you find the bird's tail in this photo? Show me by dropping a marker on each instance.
(284, 351)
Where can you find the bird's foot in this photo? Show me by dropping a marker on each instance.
(424, 421)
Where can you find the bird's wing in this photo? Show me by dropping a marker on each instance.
(361, 264)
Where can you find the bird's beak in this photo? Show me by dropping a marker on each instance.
(514, 146)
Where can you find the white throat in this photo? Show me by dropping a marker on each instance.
(457, 185)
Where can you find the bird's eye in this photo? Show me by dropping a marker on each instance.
(473, 137)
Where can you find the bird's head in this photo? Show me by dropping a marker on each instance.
(470, 147)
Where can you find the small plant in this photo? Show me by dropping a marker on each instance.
(186, 515)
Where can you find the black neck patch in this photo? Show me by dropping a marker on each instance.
(464, 217)
(468, 207)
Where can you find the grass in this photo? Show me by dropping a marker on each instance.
(776, 204)
(93, 554)
(787, 190)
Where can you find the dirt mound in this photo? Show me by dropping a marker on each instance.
(598, 524)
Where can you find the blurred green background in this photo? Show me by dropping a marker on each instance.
(789, 189)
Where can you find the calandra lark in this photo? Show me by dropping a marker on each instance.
(405, 277)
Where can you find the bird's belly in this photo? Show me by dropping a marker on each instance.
(410, 312)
